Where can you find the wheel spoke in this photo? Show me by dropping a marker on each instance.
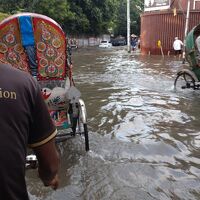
(184, 81)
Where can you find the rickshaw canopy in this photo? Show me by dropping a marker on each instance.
(191, 49)
(21, 31)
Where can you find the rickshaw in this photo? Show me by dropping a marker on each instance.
(37, 45)
(190, 78)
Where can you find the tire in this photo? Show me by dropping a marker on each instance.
(184, 81)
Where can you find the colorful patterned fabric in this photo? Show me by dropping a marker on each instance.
(41, 32)
(11, 49)
(51, 49)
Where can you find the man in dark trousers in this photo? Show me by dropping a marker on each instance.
(24, 120)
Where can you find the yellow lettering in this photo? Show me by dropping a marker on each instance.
(6, 94)
(13, 95)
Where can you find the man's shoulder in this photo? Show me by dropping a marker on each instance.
(14, 72)
(15, 76)
(10, 68)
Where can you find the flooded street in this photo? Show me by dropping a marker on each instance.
(144, 137)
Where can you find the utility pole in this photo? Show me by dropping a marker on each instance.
(186, 29)
(128, 26)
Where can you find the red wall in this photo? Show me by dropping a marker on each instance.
(164, 26)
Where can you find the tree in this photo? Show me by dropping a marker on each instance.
(97, 13)
(136, 8)
(3, 16)
(81, 16)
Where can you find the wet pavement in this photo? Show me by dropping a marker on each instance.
(144, 136)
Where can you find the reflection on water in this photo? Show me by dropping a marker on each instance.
(144, 136)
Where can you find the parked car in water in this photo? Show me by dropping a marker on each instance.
(119, 41)
(105, 44)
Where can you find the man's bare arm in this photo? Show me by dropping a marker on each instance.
(48, 159)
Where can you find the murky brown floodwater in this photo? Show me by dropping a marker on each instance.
(144, 137)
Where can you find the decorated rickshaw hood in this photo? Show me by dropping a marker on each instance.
(31, 41)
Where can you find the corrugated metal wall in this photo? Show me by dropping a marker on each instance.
(164, 26)
(197, 5)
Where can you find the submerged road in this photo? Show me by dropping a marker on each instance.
(144, 136)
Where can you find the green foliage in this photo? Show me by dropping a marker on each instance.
(82, 16)
(136, 7)
(58, 10)
(3, 16)
(97, 14)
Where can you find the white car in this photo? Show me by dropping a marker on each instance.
(105, 44)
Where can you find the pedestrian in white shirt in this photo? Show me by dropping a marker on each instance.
(177, 45)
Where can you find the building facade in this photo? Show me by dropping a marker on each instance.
(166, 21)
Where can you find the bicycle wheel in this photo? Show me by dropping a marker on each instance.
(184, 81)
